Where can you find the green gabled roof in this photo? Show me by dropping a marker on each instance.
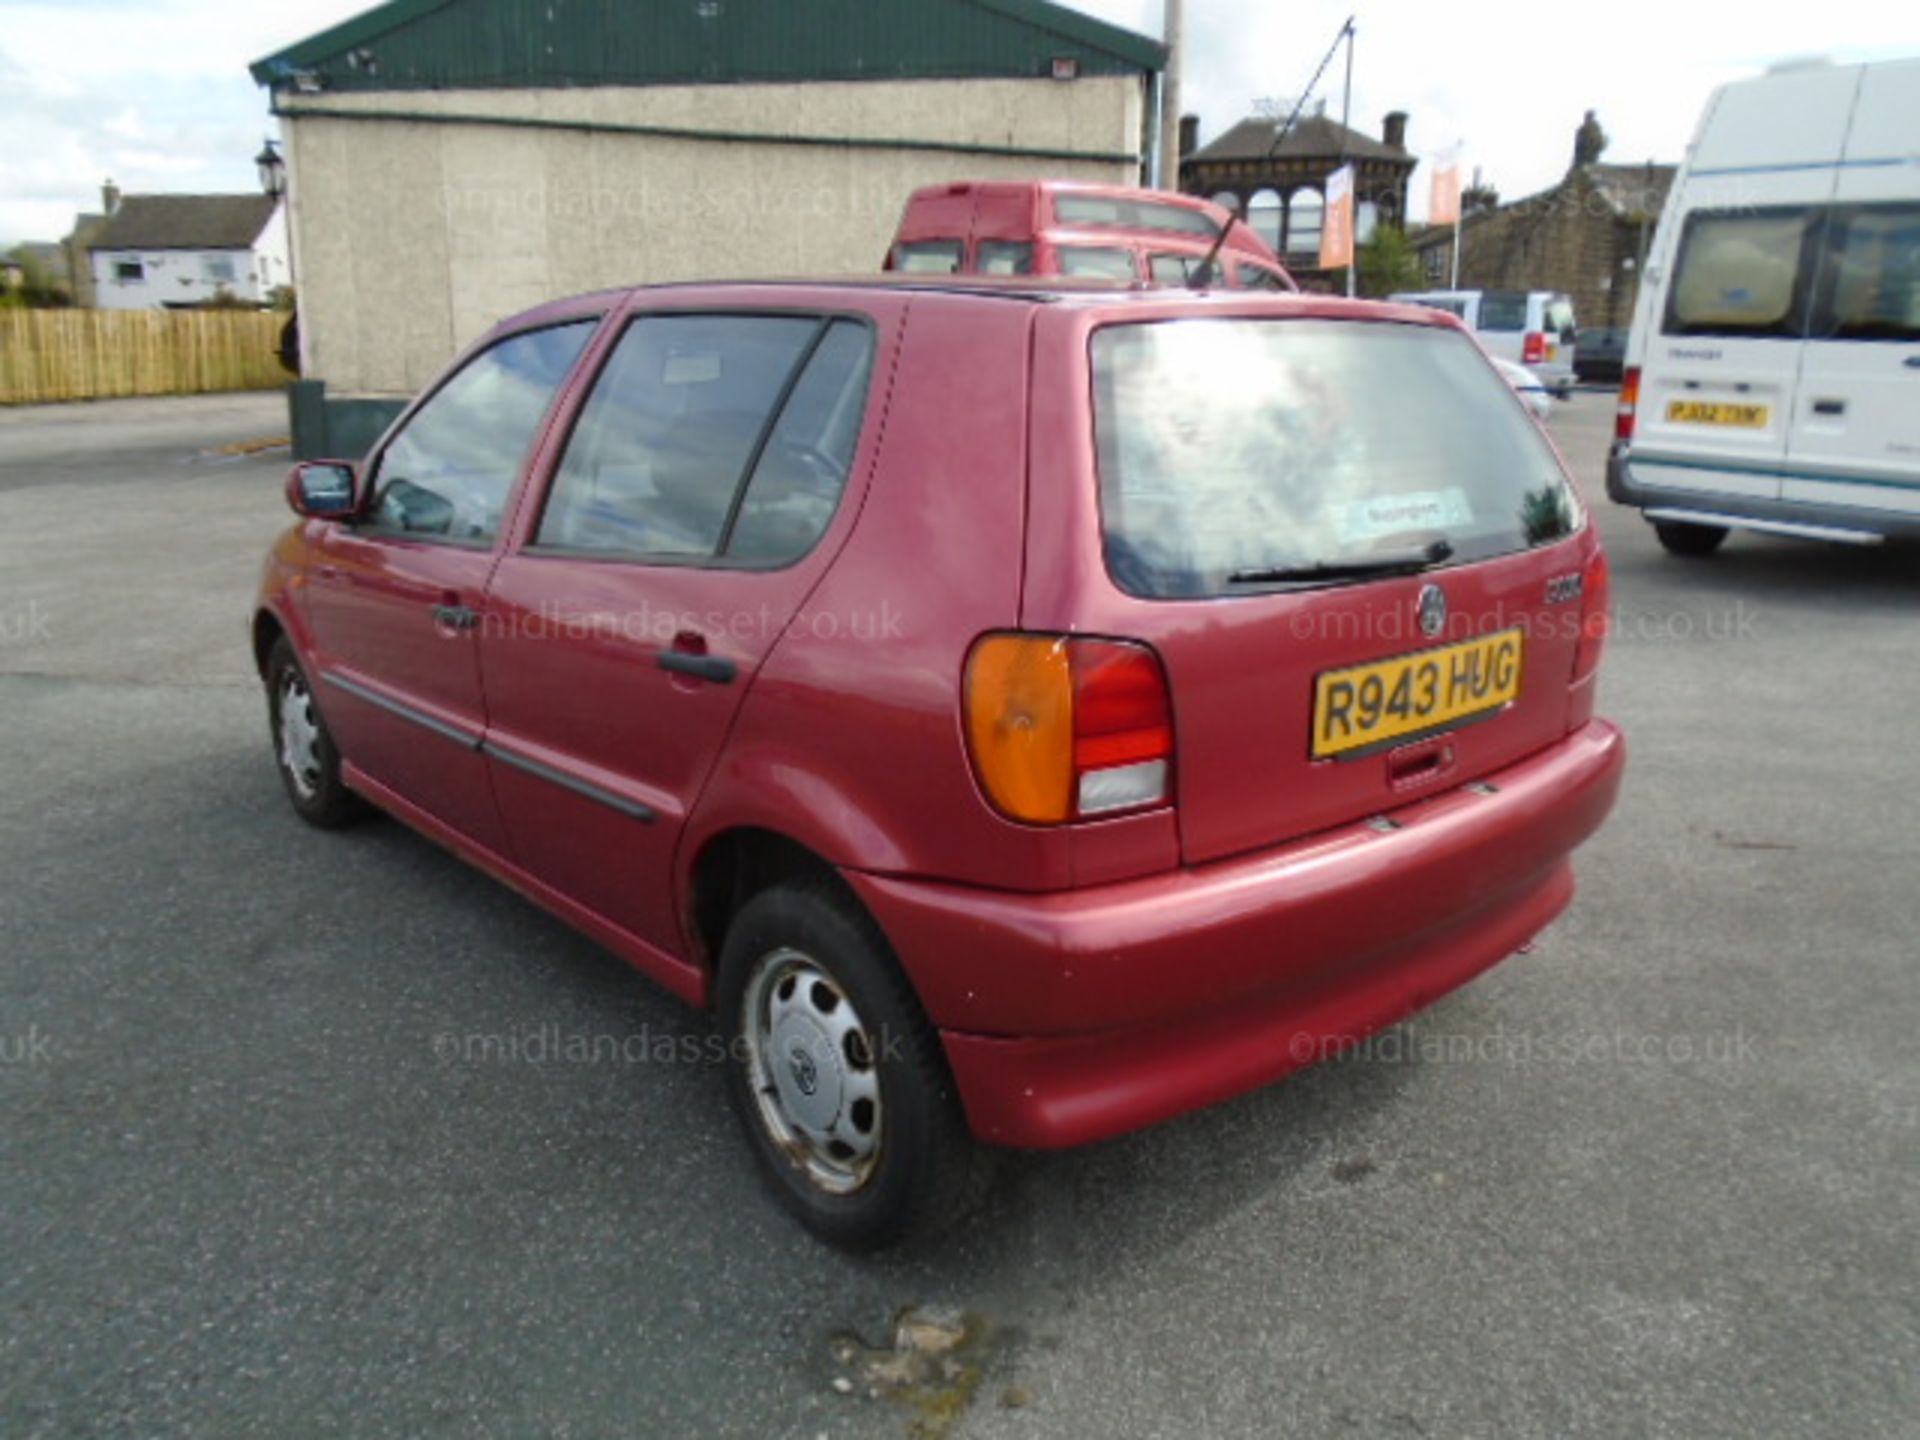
(448, 44)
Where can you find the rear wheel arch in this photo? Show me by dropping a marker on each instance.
(737, 864)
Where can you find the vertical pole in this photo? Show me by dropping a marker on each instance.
(1353, 194)
(1175, 27)
(1454, 283)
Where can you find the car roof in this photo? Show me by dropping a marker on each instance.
(1051, 291)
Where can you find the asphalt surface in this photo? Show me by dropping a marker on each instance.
(317, 1134)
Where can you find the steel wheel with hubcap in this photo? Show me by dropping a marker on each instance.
(309, 764)
(837, 1077)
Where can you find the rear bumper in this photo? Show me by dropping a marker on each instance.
(1631, 485)
(1070, 1017)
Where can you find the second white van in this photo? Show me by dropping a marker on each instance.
(1773, 374)
(1534, 328)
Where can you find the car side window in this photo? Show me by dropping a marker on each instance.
(796, 485)
(1096, 262)
(448, 473)
(705, 437)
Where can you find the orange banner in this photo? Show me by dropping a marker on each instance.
(1443, 206)
(1336, 232)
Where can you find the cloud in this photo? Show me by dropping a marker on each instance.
(154, 95)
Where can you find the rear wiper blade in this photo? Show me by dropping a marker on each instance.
(1395, 562)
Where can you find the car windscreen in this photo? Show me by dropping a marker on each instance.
(1234, 445)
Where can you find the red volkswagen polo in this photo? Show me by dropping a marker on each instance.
(1022, 714)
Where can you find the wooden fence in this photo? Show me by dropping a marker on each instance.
(92, 354)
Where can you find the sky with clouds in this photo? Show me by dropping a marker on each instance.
(156, 93)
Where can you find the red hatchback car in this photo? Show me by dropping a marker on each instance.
(1023, 714)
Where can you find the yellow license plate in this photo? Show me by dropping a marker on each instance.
(1366, 706)
(1716, 412)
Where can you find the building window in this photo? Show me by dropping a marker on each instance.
(1305, 211)
(129, 272)
(1436, 259)
(1264, 215)
(219, 269)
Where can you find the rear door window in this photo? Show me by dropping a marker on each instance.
(713, 436)
(1227, 446)
(1096, 262)
(1741, 273)
(1559, 319)
(928, 257)
(1870, 275)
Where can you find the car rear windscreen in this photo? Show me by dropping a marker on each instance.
(1228, 446)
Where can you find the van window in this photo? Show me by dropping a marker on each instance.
(1870, 275)
(1503, 310)
(1003, 257)
(1096, 262)
(1175, 269)
(1229, 445)
(1455, 308)
(1559, 319)
(1740, 273)
(1258, 277)
(928, 257)
(1128, 214)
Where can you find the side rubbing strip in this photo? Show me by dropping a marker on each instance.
(405, 712)
(567, 782)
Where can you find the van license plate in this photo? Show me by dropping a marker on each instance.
(1716, 412)
(1366, 706)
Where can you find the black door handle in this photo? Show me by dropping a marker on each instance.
(1829, 407)
(455, 617)
(701, 667)
(1912, 362)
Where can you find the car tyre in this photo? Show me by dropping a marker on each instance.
(837, 1076)
(1681, 537)
(303, 748)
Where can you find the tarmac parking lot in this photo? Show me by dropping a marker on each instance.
(317, 1133)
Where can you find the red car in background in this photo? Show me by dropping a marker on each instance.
(1078, 232)
(1022, 714)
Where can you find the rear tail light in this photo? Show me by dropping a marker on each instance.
(1595, 599)
(1534, 348)
(1064, 729)
(1629, 403)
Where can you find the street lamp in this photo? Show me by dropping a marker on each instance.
(273, 170)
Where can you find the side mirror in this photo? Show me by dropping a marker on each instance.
(321, 489)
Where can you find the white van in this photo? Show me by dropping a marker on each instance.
(1534, 328)
(1773, 373)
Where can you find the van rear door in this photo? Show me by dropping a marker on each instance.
(1722, 359)
(1855, 438)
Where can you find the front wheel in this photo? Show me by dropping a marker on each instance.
(302, 747)
(836, 1075)
(1682, 537)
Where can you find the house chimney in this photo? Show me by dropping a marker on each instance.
(1394, 131)
(109, 196)
(1189, 135)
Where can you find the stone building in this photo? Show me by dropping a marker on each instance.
(1278, 183)
(1587, 236)
(451, 162)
